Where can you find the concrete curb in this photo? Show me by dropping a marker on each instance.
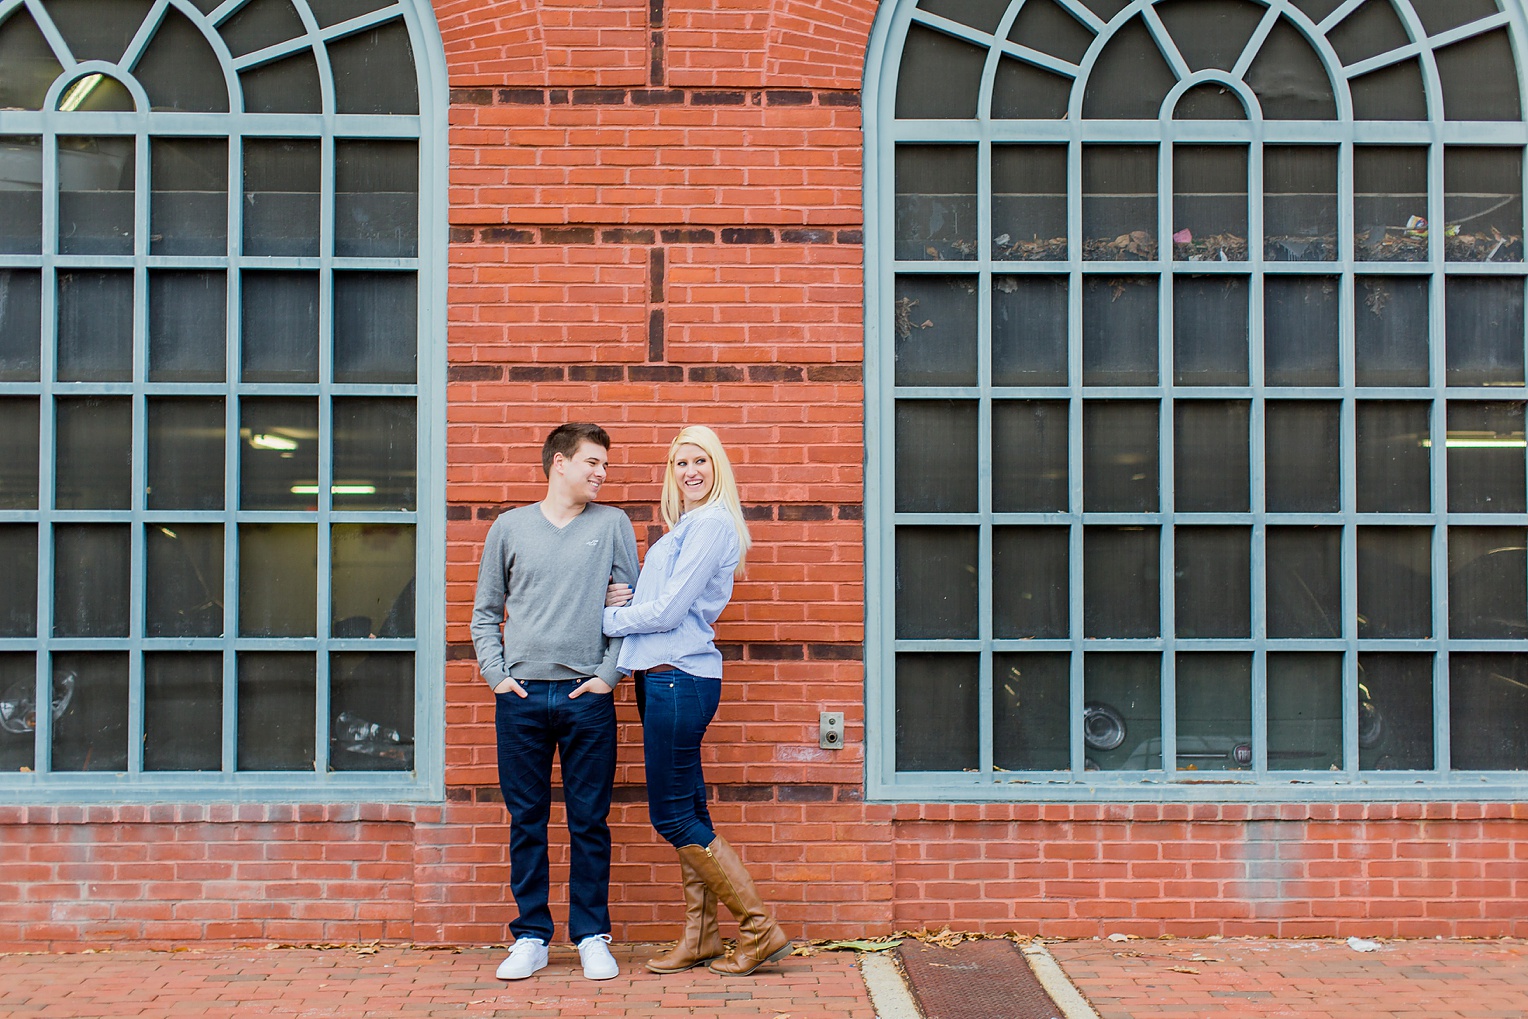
(1056, 983)
(887, 986)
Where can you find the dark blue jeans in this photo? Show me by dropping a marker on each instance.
(582, 732)
(676, 708)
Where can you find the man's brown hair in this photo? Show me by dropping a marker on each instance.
(566, 439)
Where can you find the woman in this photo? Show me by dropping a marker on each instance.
(683, 586)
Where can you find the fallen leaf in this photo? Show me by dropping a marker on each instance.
(1183, 969)
(863, 945)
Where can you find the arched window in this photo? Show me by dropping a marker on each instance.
(1195, 380)
(219, 335)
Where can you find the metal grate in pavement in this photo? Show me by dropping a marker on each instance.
(975, 980)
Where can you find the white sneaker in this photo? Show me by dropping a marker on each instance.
(599, 964)
(526, 956)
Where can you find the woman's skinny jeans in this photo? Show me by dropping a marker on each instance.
(676, 707)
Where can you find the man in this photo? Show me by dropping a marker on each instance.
(545, 567)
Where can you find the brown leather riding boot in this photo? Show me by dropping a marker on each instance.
(760, 939)
(701, 941)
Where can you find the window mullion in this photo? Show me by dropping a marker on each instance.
(1167, 546)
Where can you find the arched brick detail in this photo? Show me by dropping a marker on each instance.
(492, 42)
(791, 44)
(820, 41)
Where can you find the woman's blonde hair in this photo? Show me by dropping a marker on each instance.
(723, 487)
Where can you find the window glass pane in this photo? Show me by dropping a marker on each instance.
(1389, 198)
(20, 323)
(1209, 102)
(1488, 711)
(332, 12)
(1391, 93)
(1029, 202)
(376, 326)
(1390, 330)
(278, 580)
(1485, 457)
(1122, 717)
(1399, 719)
(259, 24)
(91, 597)
(1394, 582)
(936, 456)
(95, 196)
(1045, 26)
(21, 196)
(1210, 203)
(371, 701)
(1029, 456)
(372, 580)
(95, 325)
(1119, 202)
(1304, 712)
(1300, 331)
(97, 93)
(1210, 33)
(187, 321)
(185, 452)
(182, 711)
(1487, 583)
(936, 202)
(376, 200)
(277, 711)
(1022, 91)
(279, 314)
(1130, 79)
(1214, 712)
(94, 468)
(1029, 330)
(936, 331)
(96, 31)
(1392, 457)
(939, 77)
(1441, 15)
(1469, 94)
(1210, 330)
(288, 85)
(1210, 456)
(29, 63)
(1305, 582)
(937, 704)
(188, 211)
(278, 454)
(1031, 709)
(180, 70)
(1121, 571)
(374, 454)
(1299, 203)
(1483, 322)
(1119, 331)
(936, 582)
(1119, 456)
(1213, 581)
(18, 711)
(374, 71)
(1029, 583)
(1286, 56)
(18, 595)
(1483, 200)
(982, 15)
(19, 436)
(281, 196)
(92, 733)
(183, 585)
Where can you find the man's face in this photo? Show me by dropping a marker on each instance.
(583, 475)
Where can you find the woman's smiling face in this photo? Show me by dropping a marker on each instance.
(696, 477)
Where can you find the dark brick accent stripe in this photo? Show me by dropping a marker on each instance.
(804, 792)
(758, 651)
(656, 95)
(564, 235)
(761, 373)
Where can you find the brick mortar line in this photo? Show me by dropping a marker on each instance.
(740, 792)
(468, 372)
(738, 651)
(678, 95)
(564, 235)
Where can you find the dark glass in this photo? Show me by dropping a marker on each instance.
(1485, 457)
(1390, 330)
(188, 314)
(1304, 582)
(1398, 692)
(1125, 692)
(94, 444)
(935, 322)
(1488, 712)
(374, 71)
(21, 198)
(982, 15)
(1043, 25)
(1441, 15)
(96, 31)
(18, 688)
(1391, 93)
(288, 85)
(1483, 200)
(1372, 29)
(1304, 712)
(278, 580)
(182, 711)
(95, 325)
(1022, 91)
(1210, 33)
(20, 322)
(937, 712)
(1392, 457)
(188, 209)
(277, 711)
(1119, 456)
(374, 448)
(20, 434)
(97, 93)
(1213, 581)
(18, 595)
(1210, 330)
(183, 588)
(1483, 323)
(186, 452)
(1119, 202)
(376, 327)
(91, 595)
(1300, 331)
(936, 456)
(1029, 330)
(1210, 203)
(179, 70)
(281, 196)
(1211, 462)
(1120, 579)
(92, 734)
(279, 311)
(1209, 102)
(1029, 202)
(1119, 331)
(936, 202)
(1299, 203)
(1487, 583)
(1214, 711)
(30, 68)
(1469, 94)
(371, 711)
(936, 582)
(371, 580)
(278, 452)
(376, 198)
(1029, 456)
(1030, 583)
(332, 12)
(939, 76)
(1130, 79)
(1031, 712)
(1389, 200)
(259, 24)
(95, 196)
(1394, 582)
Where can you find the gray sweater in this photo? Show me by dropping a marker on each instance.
(550, 583)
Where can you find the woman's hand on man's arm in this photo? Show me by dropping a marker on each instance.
(617, 595)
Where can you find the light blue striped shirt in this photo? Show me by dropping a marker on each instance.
(685, 583)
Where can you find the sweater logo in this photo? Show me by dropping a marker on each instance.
(596, 541)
